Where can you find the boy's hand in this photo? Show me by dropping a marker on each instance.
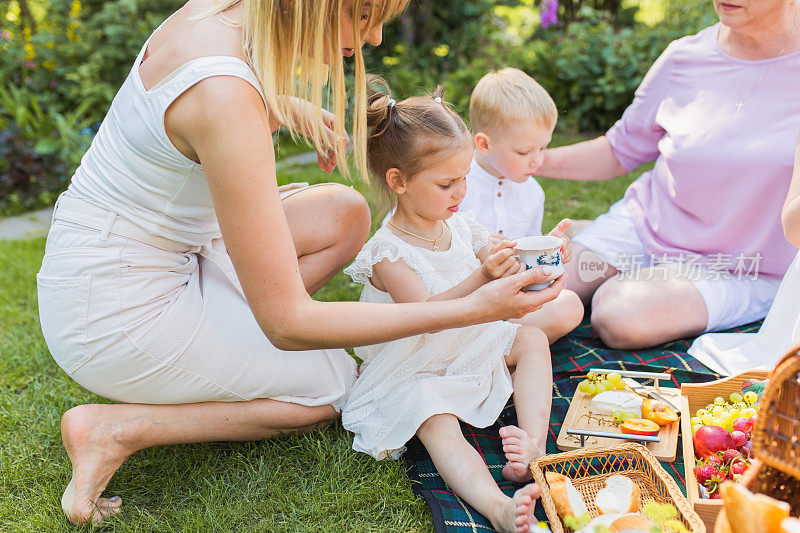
(501, 261)
(561, 231)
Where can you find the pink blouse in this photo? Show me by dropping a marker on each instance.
(721, 176)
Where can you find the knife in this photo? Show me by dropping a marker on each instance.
(638, 388)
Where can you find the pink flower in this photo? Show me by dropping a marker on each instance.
(5, 35)
(549, 14)
(30, 64)
(53, 84)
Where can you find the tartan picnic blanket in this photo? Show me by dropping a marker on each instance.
(572, 357)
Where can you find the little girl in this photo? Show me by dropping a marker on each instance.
(420, 150)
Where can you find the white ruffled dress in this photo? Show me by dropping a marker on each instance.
(460, 371)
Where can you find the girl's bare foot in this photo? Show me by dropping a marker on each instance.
(96, 448)
(517, 513)
(520, 450)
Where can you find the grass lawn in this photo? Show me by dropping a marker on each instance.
(301, 483)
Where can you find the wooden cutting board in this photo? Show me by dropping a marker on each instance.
(579, 416)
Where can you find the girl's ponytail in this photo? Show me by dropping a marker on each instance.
(380, 106)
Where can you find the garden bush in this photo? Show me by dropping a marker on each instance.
(62, 61)
(28, 179)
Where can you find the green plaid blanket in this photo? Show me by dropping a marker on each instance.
(572, 357)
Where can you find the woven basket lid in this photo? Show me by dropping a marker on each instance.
(776, 436)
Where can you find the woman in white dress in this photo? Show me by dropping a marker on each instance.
(176, 276)
(421, 151)
(733, 353)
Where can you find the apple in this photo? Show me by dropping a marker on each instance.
(640, 426)
(711, 439)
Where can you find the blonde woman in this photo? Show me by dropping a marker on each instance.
(177, 273)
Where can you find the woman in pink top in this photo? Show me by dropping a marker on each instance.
(696, 244)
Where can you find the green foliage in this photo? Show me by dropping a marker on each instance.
(590, 66)
(80, 52)
(41, 148)
(27, 179)
(592, 70)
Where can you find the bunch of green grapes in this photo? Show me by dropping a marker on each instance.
(596, 383)
(724, 413)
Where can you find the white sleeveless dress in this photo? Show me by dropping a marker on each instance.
(734, 353)
(138, 299)
(460, 371)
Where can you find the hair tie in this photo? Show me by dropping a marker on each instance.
(390, 103)
(438, 100)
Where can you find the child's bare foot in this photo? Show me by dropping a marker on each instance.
(520, 450)
(517, 513)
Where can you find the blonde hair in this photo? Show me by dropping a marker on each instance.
(410, 135)
(505, 97)
(285, 43)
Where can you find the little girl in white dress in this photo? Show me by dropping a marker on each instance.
(420, 150)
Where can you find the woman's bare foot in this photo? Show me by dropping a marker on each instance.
(517, 513)
(96, 447)
(520, 450)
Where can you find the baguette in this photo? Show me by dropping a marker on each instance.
(566, 497)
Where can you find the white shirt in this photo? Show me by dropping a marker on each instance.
(503, 206)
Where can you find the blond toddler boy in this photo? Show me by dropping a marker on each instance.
(513, 119)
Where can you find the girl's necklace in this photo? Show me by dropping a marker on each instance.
(740, 104)
(434, 241)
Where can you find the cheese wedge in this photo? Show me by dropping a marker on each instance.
(609, 401)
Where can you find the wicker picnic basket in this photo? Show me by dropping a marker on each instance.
(590, 467)
(776, 438)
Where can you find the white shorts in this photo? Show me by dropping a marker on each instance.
(730, 300)
(139, 319)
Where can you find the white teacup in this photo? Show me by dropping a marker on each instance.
(538, 251)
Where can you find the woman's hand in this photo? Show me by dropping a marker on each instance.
(561, 231)
(503, 299)
(304, 113)
(501, 261)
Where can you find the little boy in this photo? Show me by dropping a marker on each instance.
(513, 119)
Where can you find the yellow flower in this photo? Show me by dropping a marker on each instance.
(389, 61)
(31, 52)
(441, 50)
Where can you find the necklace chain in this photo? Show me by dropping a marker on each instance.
(740, 104)
(434, 241)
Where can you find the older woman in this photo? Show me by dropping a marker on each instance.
(697, 241)
(177, 274)
(733, 353)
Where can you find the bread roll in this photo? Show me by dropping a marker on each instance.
(621, 495)
(566, 497)
(636, 523)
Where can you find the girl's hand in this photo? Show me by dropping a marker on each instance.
(501, 261)
(503, 299)
(561, 231)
